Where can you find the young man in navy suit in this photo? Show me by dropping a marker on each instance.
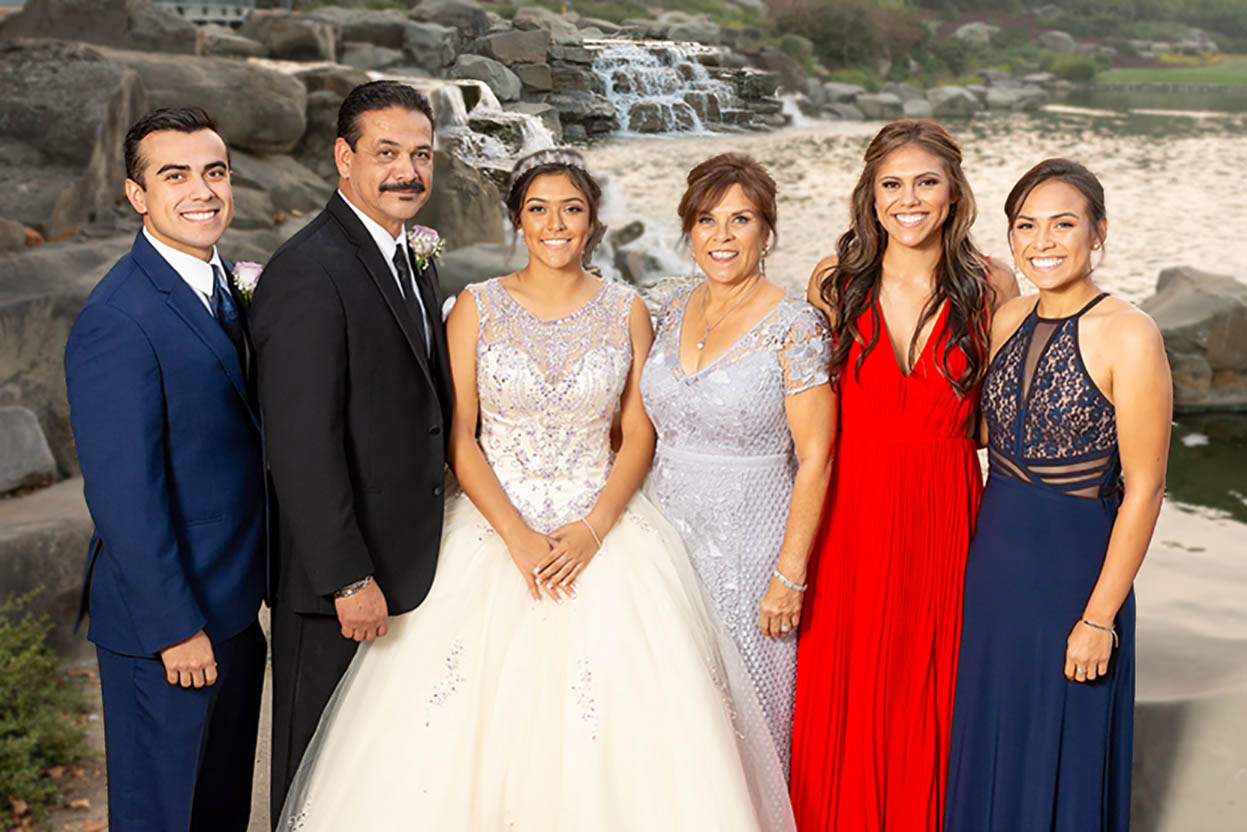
(168, 435)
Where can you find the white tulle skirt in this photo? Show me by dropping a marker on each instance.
(624, 709)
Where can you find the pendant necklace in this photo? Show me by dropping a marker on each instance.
(709, 326)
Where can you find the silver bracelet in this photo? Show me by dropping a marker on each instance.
(596, 539)
(1113, 630)
(790, 584)
(350, 589)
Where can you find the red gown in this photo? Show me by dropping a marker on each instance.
(877, 655)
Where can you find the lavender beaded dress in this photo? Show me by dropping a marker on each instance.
(724, 468)
(624, 709)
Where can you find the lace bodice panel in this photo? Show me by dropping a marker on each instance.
(548, 390)
(1047, 421)
(734, 405)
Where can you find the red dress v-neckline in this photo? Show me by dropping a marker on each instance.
(887, 333)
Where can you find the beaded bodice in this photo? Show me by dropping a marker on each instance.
(548, 390)
(1048, 424)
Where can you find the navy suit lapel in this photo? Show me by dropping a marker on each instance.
(378, 271)
(187, 305)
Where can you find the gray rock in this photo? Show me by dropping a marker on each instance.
(535, 77)
(882, 106)
(995, 77)
(464, 206)
(570, 54)
(1057, 41)
(588, 110)
(638, 265)
(575, 134)
(606, 27)
(315, 148)
(12, 235)
(953, 101)
(705, 105)
(1015, 98)
(516, 46)
(430, 46)
(73, 104)
(1203, 319)
(697, 31)
(501, 80)
(25, 458)
(567, 77)
(367, 56)
(340, 79)
(977, 33)
(478, 262)
(292, 37)
(917, 108)
(750, 84)
(468, 18)
(654, 117)
(289, 184)
(270, 118)
(562, 30)
(224, 42)
(546, 113)
(126, 24)
(813, 91)
(837, 93)
(28, 192)
(253, 209)
(905, 92)
(380, 27)
(978, 91)
(506, 129)
(626, 234)
(844, 112)
(43, 543)
(788, 72)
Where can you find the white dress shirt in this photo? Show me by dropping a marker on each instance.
(388, 245)
(197, 273)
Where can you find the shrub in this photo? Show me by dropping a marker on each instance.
(1074, 67)
(40, 710)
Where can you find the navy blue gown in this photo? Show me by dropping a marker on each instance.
(1031, 751)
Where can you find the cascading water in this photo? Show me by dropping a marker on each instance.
(660, 86)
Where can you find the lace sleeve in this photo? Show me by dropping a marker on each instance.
(805, 354)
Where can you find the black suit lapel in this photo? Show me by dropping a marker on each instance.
(379, 272)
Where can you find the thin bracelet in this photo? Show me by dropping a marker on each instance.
(1113, 630)
(350, 589)
(596, 539)
(790, 584)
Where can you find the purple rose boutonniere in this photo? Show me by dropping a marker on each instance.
(246, 276)
(424, 243)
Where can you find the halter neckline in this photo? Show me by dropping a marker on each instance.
(1077, 314)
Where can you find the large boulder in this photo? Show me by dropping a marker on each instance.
(905, 92)
(917, 108)
(25, 458)
(468, 18)
(788, 71)
(340, 79)
(501, 80)
(696, 31)
(516, 46)
(561, 29)
(883, 106)
(381, 27)
(431, 46)
(837, 93)
(126, 24)
(953, 101)
(534, 77)
(1015, 98)
(587, 110)
(288, 184)
(1203, 318)
(68, 103)
(12, 235)
(315, 149)
(465, 206)
(224, 42)
(292, 37)
(269, 118)
(978, 33)
(369, 57)
(1057, 41)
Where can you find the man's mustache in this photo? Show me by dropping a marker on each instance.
(414, 186)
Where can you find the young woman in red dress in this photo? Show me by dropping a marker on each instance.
(908, 296)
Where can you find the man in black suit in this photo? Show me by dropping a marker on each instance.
(354, 386)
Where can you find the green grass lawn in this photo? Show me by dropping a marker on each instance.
(1230, 71)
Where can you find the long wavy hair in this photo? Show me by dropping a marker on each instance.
(851, 287)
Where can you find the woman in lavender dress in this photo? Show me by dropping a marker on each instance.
(736, 386)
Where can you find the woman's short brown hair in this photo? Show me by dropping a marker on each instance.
(710, 180)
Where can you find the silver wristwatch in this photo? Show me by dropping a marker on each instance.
(350, 589)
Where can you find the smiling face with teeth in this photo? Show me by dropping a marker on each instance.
(1053, 236)
(555, 221)
(729, 239)
(185, 199)
(913, 195)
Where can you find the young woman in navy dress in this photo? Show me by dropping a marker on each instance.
(1077, 404)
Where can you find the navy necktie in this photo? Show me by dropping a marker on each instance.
(414, 308)
(227, 315)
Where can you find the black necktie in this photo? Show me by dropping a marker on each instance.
(414, 309)
(227, 315)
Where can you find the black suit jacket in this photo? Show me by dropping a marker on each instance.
(356, 417)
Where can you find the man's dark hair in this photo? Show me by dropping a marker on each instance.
(181, 119)
(377, 95)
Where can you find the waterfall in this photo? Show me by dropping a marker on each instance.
(660, 86)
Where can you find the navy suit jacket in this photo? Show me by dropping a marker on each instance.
(169, 439)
